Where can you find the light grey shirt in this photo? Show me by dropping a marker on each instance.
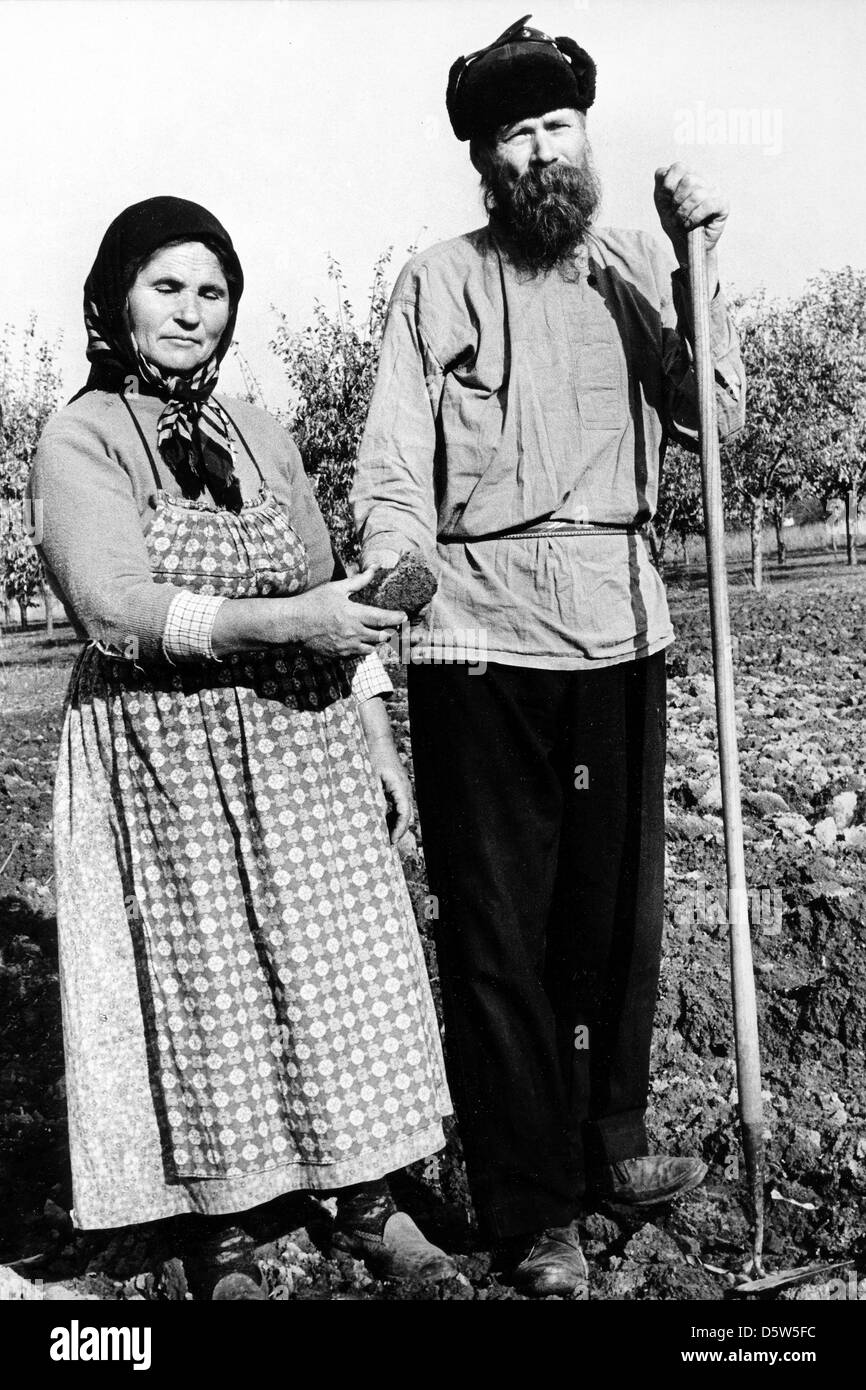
(504, 400)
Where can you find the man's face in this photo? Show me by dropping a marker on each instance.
(540, 187)
(558, 137)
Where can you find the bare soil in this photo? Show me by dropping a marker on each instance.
(801, 688)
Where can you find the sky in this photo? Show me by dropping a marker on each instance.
(318, 127)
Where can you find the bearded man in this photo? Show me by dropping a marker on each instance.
(531, 375)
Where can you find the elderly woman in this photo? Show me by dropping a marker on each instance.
(246, 1009)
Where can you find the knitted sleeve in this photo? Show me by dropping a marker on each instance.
(92, 543)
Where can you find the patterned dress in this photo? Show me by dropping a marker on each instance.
(246, 1007)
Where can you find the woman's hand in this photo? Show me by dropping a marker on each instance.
(323, 619)
(326, 621)
(396, 786)
(387, 766)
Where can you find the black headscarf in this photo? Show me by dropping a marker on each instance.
(194, 434)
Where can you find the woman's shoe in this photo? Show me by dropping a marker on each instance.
(400, 1252)
(238, 1286)
(220, 1266)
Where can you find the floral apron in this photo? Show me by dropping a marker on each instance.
(282, 1004)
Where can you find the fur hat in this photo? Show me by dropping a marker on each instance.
(523, 73)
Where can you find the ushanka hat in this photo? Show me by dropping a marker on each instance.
(523, 73)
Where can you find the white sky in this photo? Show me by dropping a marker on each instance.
(316, 126)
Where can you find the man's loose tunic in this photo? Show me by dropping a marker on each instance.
(504, 400)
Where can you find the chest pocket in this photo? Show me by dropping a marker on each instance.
(600, 386)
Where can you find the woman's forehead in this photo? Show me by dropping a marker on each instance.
(184, 260)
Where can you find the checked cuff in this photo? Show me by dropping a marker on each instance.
(369, 677)
(189, 625)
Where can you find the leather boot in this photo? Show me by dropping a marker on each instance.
(555, 1265)
(647, 1181)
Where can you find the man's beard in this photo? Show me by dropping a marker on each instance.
(547, 212)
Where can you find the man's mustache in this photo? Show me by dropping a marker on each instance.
(550, 180)
(550, 177)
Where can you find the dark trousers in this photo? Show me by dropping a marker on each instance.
(550, 900)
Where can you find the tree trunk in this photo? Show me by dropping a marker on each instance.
(49, 611)
(781, 548)
(757, 529)
(22, 609)
(851, 525)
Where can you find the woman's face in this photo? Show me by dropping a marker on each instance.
(178, 307)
